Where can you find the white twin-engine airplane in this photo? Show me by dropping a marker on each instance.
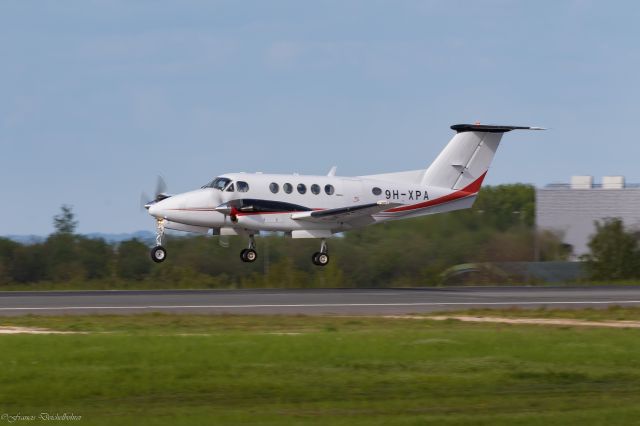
(306, 206)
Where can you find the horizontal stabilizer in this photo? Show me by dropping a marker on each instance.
(489, 128)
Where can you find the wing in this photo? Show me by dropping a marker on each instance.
(344, 214)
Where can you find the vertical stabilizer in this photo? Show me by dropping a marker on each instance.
(467, 156)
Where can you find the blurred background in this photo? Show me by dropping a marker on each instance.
(99, 97)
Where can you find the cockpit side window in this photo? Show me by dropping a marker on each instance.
(219, 183)
(230, 188)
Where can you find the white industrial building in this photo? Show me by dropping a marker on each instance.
(571, 209)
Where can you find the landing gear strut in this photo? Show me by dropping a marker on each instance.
(321, 258)
(159, 253)
(249, 254)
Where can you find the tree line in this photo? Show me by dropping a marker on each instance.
(500, 228)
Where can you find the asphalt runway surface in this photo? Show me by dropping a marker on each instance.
(312, 302)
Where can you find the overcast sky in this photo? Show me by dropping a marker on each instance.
(98, 97)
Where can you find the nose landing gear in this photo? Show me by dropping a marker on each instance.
(321, 258)
(249, 254)
(159, 253)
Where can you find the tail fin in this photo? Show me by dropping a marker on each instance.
(467, 156)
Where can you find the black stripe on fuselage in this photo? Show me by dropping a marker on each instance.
(249, 205)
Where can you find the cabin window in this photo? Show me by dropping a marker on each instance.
(329, 189)
(288, 188)
(315, 189)
(274, 187)
(376, 190)
(242, 186)
(302, 188)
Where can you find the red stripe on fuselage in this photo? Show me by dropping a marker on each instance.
(471, 189)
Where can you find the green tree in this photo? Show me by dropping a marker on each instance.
(551, 247)
(132, 260)
(63, 257)
(504, 206)
(96, 257)
(615, 254)
(63, 254)
(28, 264)
(65, 222)
(7, 249)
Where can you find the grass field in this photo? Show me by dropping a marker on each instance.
(166, 370)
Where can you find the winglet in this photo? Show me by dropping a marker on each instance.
(332, 172)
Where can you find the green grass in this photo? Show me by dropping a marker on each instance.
(164, 369)
(611, 313)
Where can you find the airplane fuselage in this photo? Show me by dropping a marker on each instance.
(269, 202)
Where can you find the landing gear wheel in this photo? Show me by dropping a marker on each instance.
(320, 259)
(158, 254)
(248, 255)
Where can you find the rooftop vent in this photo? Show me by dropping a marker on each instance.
(613, 182)
(581, 182)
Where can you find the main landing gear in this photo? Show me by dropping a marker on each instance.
(249, 254)
(159, 253)
(321, 258)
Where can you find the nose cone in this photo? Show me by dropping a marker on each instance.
(181, 206)
(158, 209)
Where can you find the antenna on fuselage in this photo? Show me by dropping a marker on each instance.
(332, 172)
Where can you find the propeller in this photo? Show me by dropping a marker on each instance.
(161, 187)
(144, 200)
(160, 194)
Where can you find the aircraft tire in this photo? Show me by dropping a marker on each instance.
(320, 259)
(248, 255)
(158, 254)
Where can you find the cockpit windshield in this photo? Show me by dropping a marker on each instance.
(219, 183)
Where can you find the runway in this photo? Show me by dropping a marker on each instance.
(312, 302)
